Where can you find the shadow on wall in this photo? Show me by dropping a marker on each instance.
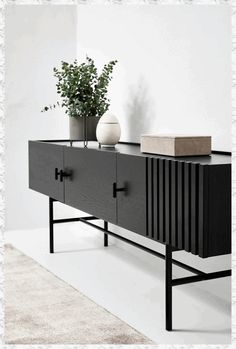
(139, 110)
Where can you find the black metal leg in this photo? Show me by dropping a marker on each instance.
(168, 299)
(51, 240)
(105, 235)
(169, 282)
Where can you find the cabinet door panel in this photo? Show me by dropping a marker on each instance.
(131, 204)
(215, 210)
(43, 159)
(90, 186)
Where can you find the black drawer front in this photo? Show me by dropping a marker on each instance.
(44, 159)
(189, 206)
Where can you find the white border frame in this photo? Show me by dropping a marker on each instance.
(231, 3)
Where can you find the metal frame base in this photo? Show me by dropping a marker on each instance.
(169, 261)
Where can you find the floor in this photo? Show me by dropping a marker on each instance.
(131, 288)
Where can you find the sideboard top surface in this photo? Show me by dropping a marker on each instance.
(134, 149)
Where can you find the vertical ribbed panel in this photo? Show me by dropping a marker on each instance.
(187, 206)
(180, 198)
(174, 199)
(155, 198)
(147, 197)
(194, 208)
(167, 212)
(173, 203)
(151, 197)
(161, 201)
(203, 179)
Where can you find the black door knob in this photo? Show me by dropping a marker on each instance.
(57, 173)
(64, 174)
(115, 190)
(61, 174)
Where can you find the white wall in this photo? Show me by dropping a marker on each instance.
(174, 66)
(173, 76)
(37, 39)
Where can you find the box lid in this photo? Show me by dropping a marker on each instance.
(174, 136)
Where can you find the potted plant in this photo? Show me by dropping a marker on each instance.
(83, 94)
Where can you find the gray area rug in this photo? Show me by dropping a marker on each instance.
(42, 309)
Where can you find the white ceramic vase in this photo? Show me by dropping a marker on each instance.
(108, 130)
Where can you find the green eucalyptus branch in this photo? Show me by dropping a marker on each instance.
(83, 92)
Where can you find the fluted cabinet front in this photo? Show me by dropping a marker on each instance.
(188, 205)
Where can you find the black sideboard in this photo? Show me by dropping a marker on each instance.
(183, 203)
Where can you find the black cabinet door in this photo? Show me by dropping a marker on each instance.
(215, 210)
(131, 203)
(90, 186)
(44, 158)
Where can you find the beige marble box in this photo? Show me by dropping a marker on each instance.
(176, 145)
